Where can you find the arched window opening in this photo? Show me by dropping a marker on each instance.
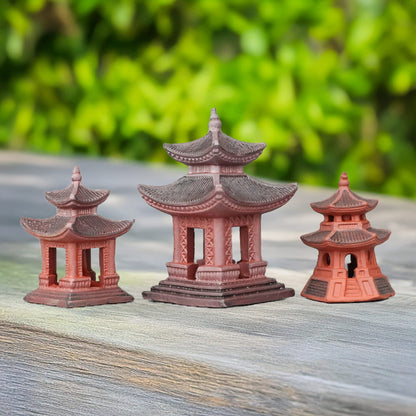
(350, 264)
(330, 218)
(327, 259)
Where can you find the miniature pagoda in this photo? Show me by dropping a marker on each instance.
(215, 196)
(77, 228)
(347, 270)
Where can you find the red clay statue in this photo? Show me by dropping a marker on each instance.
(347, 270)
(215, 196)
(77, 228)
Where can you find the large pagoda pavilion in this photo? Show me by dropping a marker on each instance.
(216, 196)
(77, 228)
(347, 270)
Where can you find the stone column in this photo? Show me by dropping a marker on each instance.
(255, 239)
(183, 266)
(48, 275)
(73, 274)
(108, 277)
(256, 267)
(219, 265)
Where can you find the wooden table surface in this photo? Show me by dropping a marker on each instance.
(291, 357)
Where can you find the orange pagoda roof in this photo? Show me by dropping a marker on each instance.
(344, 201)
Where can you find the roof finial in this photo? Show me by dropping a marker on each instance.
(343, 181)
(76, 174)
(214, 121)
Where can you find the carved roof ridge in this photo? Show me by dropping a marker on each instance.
(76, 194)
(345, 237)
(242, 191)
(344, 200)
(215, 148)
(86, 226)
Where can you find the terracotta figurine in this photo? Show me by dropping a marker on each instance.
(216, 196)
(347, 270)
(77, 229)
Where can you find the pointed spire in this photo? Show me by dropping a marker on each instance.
(76, 174)
(76, 180)
(344, 182)
(214, 121)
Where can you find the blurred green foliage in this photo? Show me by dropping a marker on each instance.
(328, 85)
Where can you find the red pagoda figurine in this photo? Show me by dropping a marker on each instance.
(215, 196)
(347, 270)
(77, 228)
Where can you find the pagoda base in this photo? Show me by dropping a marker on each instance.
(237, 293)
(78, 298)
(349, 290)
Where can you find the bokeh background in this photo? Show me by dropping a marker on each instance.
(328, 85)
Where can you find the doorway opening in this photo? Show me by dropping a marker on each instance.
(350, 264)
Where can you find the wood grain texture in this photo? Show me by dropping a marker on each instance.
(291, 357)
(63, 375)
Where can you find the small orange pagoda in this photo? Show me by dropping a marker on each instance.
(77, 229)
(347, 270)
(215, 197)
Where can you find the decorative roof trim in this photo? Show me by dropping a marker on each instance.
(77, 195)
(215, 148)
(59, 228)
(339, 238)
(219, 197)
(344, 201)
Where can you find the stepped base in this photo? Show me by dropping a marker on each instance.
(237, 293)
(78, 298)
(335, 292)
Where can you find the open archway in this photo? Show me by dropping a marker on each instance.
(350, 264)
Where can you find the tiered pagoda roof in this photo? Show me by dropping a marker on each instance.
(345, 231)
(76, 216)
(215, 148)
(216, 177)
(344, 201)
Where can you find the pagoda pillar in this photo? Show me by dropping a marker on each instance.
(77, 228)
(218, 265)
(48, 276)
(183, 266)
(108, 277)
(252, 264)
(73, 274)
(221, 236)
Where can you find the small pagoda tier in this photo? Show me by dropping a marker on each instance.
(347, 270)
(215, 197)
(77, 228)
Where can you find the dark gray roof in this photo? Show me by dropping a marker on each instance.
(247, 190)
(186, 191)
(344, 200)
(226, 151)
(82, 196)
(96, 226)
(194, 189)
(344, 237)
(89, 226)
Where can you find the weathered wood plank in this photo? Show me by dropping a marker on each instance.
(62, 375)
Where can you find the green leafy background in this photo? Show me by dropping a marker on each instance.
(328, 85)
